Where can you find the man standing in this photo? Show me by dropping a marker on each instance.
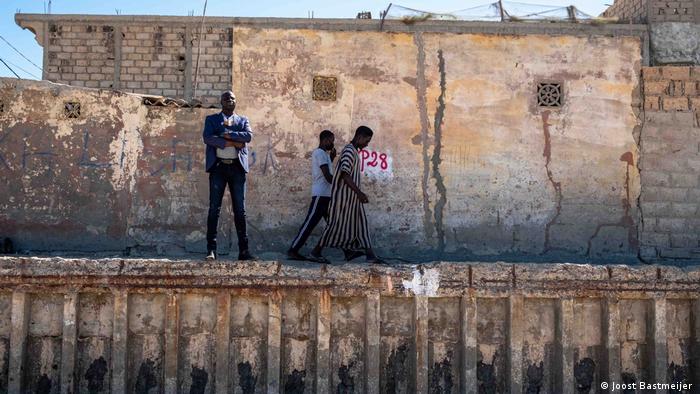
(322, 177)
(226, 135)
(347, 224)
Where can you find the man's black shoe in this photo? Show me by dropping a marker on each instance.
(211, 255)
(351, 254)
(245, 255)
(296, 256)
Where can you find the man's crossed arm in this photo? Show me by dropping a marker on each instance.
(237, 139)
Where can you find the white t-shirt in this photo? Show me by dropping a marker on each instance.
(320, 186)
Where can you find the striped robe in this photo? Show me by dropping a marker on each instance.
(347, 223)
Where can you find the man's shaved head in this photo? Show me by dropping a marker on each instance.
(228, 102)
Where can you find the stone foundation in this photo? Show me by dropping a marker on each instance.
(113, 325)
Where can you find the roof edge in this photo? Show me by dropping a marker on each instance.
(346, 24)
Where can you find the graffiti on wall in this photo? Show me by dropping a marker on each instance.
(376, 164)
(175, 156)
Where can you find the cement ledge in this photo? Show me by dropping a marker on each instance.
(432, 279)
(35, 20)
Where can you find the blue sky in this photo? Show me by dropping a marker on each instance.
(24, 41)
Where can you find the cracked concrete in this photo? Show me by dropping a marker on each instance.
(547, 154)
(454, 114)
(421, 91)
(437, 160)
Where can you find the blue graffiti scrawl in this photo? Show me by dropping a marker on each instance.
(174, 157)
(270, 158)
(85, 157)
(26, 154)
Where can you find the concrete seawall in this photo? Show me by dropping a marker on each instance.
(114, 325)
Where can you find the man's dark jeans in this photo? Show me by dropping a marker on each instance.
(232, 175)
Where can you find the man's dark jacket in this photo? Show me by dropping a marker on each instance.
(214, 129)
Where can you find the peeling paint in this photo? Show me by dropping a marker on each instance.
(425, 282)
(127, 147)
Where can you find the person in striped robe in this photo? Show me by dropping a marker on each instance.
(347, 227)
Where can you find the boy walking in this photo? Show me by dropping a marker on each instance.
(322, 177)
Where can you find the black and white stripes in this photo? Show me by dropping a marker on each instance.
(347, 224)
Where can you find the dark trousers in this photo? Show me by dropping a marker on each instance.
(232, 175)
(317, 210)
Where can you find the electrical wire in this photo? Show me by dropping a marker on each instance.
(199, 49)
(23, 70)
(10, 68)
(21, 54)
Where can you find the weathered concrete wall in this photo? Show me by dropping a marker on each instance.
(474, 165)
(675, 43)
(72, 183)
(670, 163)
(103, 326)
(466, 163)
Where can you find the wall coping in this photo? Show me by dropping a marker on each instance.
(32, 21)
(351, 278)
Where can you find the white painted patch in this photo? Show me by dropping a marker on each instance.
(376, 164)
(127, 147)
(426, 283)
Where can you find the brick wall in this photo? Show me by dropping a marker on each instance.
(153, 60)
(215, 57)
(157, 59)
(643, 11)
(81, 55)
(671, 89)
(628, 11)
(673, 11)
(670, 163)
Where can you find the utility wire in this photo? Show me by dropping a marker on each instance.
(199, 50)
(21, 69)
(13, 71)
(20, 53)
